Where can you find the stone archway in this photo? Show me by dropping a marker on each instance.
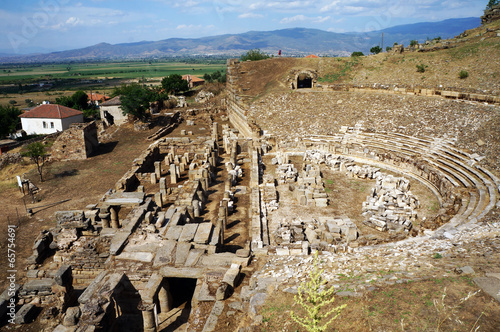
(304, 81)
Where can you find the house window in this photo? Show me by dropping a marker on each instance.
(44, 124)
(52, 125)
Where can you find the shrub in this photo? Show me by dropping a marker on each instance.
(421, 68)
(376, 49)
(388, 49)
(254, 55)
(357, 54)
(312, 299)
(413, 43)
(463, 74)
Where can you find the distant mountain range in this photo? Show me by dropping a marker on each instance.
(294, 41)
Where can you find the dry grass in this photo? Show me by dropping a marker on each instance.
(448, 304)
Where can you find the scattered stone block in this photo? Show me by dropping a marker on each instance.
(188, 232)
(182, 252)
(26, 314)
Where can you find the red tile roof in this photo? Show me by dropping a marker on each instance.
(97, 97)
(312, 56)
(191, 78)
(51, 111)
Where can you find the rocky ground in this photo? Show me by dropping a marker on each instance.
(299, 113)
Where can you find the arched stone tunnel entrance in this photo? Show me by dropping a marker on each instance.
(304, 81)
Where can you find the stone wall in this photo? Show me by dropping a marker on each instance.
(76, 143)
(238, 103)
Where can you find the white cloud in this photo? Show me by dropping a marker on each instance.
(193, 27)
(303, 18)
(250, 15)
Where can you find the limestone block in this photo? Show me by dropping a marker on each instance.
(203, 233)
(182, 252)
(26, 314)
(194, 256)
(165, 254)
(188, 232)
(174, 232)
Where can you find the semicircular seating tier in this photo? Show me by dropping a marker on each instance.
(437, 163)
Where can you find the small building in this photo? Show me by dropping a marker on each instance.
(49, 118)
(112, 113)
(97, 98)
(312, 56)
(193, 81)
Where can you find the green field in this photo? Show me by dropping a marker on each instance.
(16, 74)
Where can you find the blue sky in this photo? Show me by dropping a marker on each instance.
(56, 25)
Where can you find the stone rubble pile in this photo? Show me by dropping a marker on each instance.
(286, 173)
(311, 190)
(296, 236)
(387, 264)
(335, 162)
(363, 172)
(390, 205)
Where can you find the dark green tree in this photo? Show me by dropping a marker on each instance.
(37, 153)
(80, 100)
(9, 118)
(174, 84)
(376, 49)
(134, 99)
(254, 55)
(492, 3)
(357, 54)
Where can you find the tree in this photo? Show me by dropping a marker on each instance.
(388, 49)
(376, 49)
(174, 84)
(79, 100)
(9, 118)
(254, 55)
(413, 43)
(357, 54)
(492, 3)
(134, 99)
(37, 153)
(312, 299)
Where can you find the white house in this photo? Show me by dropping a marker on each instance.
(49, 118)
(112, 113)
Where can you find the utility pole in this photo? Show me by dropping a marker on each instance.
(382, 41)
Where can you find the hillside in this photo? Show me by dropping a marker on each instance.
(290, 41)
(287, 113)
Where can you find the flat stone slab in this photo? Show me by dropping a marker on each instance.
(194, 257)
(188, 232)
(223, 260)
(203, 233)
(39, 285)
(26, 314)
(182, 252)
(490, 285)
(126, 198)
(145, 257)
(214, 316)
(101, 286)
(151, 247)
(165, 254)
(118, 242)
(174, 232)
(182, 272)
